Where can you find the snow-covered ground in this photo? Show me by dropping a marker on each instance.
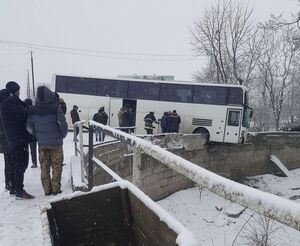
(216, 221)
(20, 222)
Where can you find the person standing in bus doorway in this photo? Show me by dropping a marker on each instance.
(175, 121)
(75, 118)
(149, 119)
(48, 124)
(29, 104)
(127, 118)
(120, 117)
(100, 117)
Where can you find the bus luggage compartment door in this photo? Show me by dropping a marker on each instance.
(233, 126)
(114, 107)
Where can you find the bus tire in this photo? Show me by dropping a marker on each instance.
(203, 132)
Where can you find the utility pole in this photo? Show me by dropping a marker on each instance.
(32, 75)
(28, 85)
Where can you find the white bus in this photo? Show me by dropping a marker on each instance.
(220, 112)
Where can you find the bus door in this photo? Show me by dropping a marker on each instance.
(131, 105)
(232, 126)
(115, 105)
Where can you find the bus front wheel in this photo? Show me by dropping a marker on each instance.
(203, 132)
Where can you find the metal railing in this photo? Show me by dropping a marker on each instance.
(79, 146)
(280, 209)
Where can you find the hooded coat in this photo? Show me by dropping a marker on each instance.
(14, 116)
(3, 140)
(101, 117)
(46, 120)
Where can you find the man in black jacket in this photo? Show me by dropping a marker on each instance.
(100, 117)
(175, 121)
(4, 146)
(14, 116)
(75, 118)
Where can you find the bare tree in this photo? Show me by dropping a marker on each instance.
(277, 67)
(276, 22)
(227, 34)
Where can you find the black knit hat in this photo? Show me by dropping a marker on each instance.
(12, 87)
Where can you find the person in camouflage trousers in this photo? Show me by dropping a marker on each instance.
(46, 121)
(51, 156)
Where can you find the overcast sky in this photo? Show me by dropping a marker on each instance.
(128, 26)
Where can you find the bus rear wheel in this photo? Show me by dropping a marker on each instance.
(203, 132)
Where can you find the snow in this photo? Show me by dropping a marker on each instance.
(280, 165)
(20, 220)
(281, 209)
(210, 217)
(288, 187)
(76, 172)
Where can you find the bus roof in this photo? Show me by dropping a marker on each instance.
(152, 81)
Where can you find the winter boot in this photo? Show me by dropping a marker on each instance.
(22, 195)
(48, 193)
(12, 191)
(56, 192)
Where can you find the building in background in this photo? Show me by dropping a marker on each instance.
(150, 77)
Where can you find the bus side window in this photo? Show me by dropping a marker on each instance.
(176, 93)
(235, 96)
(62, 84)
(76, 85)
(234, 118)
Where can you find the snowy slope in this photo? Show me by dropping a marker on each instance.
(211, 218)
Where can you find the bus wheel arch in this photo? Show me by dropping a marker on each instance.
(203, 132)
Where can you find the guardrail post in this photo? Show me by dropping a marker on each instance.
(75, 142)
(136, 166)
(90, 158)
(81, 152)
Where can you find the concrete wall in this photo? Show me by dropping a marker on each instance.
(234, 161)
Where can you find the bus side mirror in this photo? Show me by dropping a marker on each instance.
(251, 114)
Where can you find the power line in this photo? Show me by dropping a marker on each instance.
(39, 46)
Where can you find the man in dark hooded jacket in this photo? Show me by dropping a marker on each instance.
(100, 117)
(4, 145)
(175, 121)
(47, 123)
(75, 118)
(14, 117)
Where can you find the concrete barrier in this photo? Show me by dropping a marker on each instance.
(234, 161)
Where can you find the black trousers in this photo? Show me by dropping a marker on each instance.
(77, 132)
(33, 152)
(19, 164)
(149, 131)
(8, 159)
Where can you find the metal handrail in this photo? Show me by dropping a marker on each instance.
(278, 209)
(79, 125)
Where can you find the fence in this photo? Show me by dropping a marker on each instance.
(272, 206)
